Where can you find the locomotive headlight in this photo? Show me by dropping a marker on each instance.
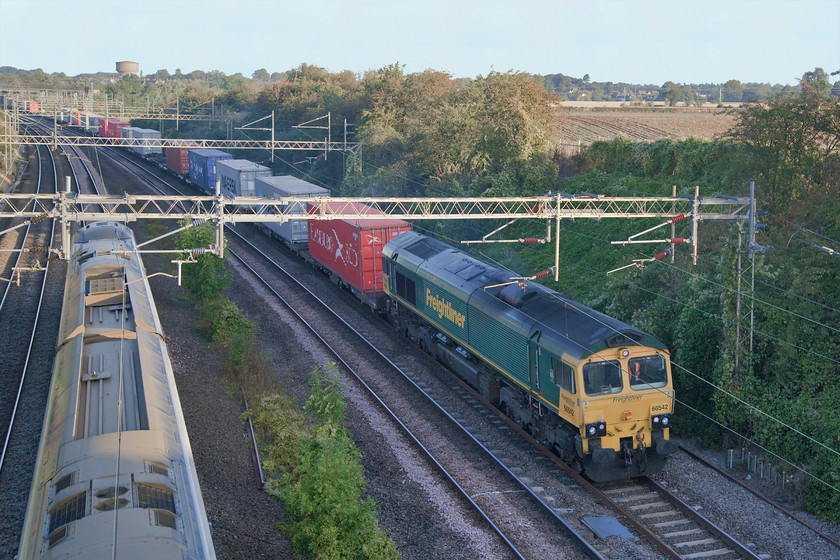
(596, 429)
(661, 421)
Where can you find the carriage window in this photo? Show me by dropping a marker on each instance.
(601, 378)
(649, 372)
(563, 375)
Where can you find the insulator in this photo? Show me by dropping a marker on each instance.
(662, 255)
(542, 273)
(679, 218)
(531, 240)
(201, 251)
(199, 221)
(39, 218)
(678, 240)
(39, 250)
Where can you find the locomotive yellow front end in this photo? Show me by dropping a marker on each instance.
(627, 401)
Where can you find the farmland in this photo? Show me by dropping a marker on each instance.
(645, 124)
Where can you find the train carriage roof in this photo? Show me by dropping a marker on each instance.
(566, 326)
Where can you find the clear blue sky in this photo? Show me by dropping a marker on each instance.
(636, 41)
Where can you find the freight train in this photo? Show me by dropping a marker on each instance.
(115, 475)
(595, 390)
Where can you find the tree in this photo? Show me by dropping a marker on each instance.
(733, 90)
(792, 140)
(207, 278)
(818, 81)
(261, 75)
(677, 93)
(162, 74)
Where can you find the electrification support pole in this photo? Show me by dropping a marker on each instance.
(65, 223)
(557, 244)
(673, 225)
(695, 225)
(272, 136)
(220, 220)
(738, 303)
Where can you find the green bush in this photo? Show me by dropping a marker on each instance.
(280, 428)
(327, 516)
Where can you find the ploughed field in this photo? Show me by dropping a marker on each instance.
(641, 124)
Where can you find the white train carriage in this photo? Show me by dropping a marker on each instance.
(115, 475)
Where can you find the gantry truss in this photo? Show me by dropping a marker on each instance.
(53, 141)
(71, 208)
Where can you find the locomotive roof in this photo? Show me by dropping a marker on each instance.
(567, 325)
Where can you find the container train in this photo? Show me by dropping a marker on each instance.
(595, 390)
(115, 475)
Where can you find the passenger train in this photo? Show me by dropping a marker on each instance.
(115, 476)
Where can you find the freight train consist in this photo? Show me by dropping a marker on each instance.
(115, 476)
(594, 389)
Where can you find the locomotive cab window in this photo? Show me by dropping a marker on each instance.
(649, 372)
(602, 378)
(563, 375)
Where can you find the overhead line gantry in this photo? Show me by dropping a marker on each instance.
(68, 208)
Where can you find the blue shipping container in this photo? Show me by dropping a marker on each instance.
(203, 167)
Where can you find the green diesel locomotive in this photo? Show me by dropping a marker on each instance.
(594, 389)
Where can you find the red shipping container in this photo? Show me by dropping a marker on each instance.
(114, 128)
(178, 160)
(352, 249)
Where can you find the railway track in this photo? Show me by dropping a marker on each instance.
(689, 539)
(664, 541)
(494, 489)
(29, 326)
(28, 329)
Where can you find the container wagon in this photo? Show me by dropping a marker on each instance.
(350, 250)
(294, 233)
(237, 176)
(178, 161)
(203, 167)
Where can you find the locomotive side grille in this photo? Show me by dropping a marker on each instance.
(69, 511)
(155, 498)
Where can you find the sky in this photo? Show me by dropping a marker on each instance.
(632, 41)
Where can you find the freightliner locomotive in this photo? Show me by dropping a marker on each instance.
(594, 389)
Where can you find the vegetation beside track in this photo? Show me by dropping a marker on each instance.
(313, 465)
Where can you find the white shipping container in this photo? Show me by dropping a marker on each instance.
(127, 132)
(293, 231)
(140, 147)
(237, 176)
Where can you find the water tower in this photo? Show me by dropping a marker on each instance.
(127, 67)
